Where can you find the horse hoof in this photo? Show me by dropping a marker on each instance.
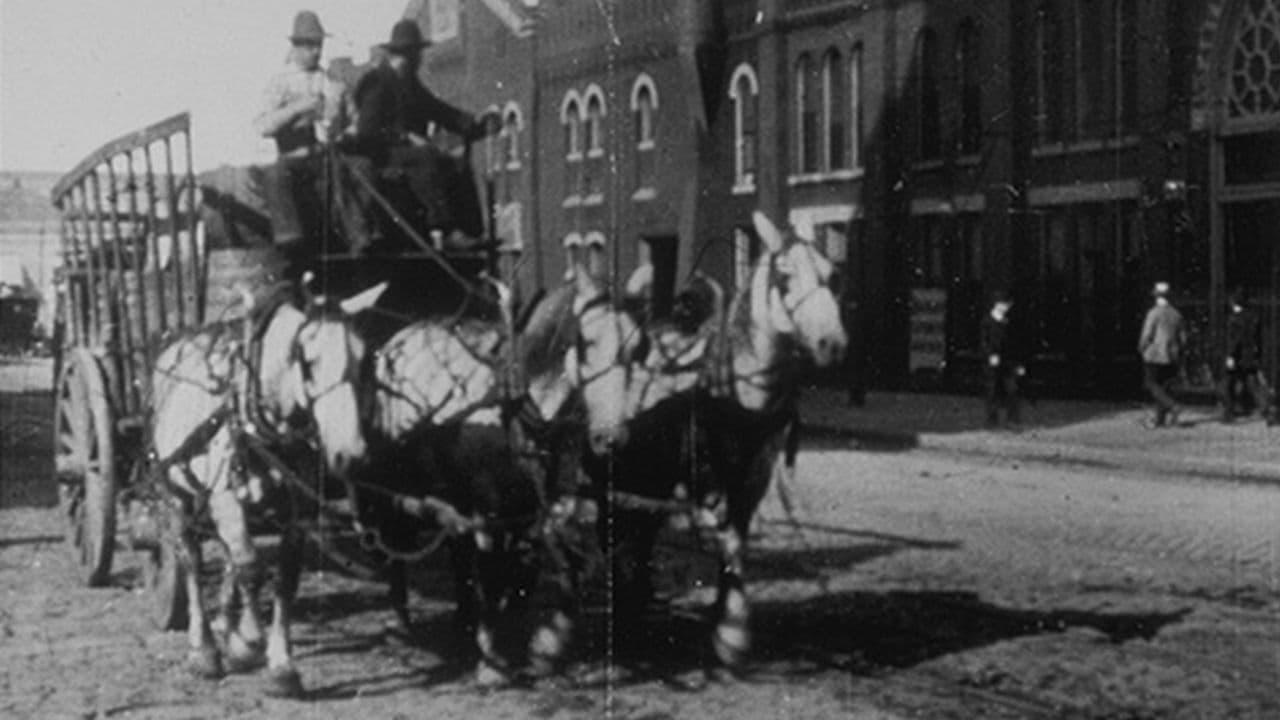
(243, 656)
(205, 663)
(283, 683)
(489, 676)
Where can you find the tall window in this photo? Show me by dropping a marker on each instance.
(509, 152)
(1127, 33)
(511, 126)
(1048, 73)
(1092, 66)
(969, 65)
(744, 91)
(644, 101)
(834, 111)
(806, 99)
(593, 170)
(571, 119)
(928, 124)
(855, 108)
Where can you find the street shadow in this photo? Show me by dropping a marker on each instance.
(26, 450)
(863, 633)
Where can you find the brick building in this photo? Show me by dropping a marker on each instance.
(1070, 151)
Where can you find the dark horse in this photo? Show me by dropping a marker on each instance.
(724, 401)
(486, 454)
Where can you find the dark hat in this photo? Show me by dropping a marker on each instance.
(1001, 296)
(406, 36)
(307, 27)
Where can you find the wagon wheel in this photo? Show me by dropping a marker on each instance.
(84, 456)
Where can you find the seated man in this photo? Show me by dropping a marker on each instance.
(393, 112)
(299, 107)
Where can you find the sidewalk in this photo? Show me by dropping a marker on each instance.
(1099, 434)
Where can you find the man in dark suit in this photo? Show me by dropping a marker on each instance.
(394, 113)
(1004, 368)
(1243, 359)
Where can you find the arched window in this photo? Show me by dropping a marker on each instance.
(806, 103)
(572, 253)
(928, 140)
(834, 111)
(595, 121)
(596, 255)
(644, 101)
(1127, 34)
(744, 91)
(571, 119)
(968, 64)
(512, 124)
(855, 108)
(492, 149)
(1048, 73)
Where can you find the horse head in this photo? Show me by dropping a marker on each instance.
(575, 340)
(326, 355)
(793, 293)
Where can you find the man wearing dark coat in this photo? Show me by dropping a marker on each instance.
(1003, 368)
(394, 113)
(1243, 358)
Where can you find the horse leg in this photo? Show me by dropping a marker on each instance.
(491, 669)
(732, 636)
(554, 632)
(283, 678)
(203, 658)
(396, 572)
(244, 643)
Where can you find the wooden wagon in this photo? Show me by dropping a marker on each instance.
(135, 268)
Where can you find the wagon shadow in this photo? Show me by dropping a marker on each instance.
(863, 633)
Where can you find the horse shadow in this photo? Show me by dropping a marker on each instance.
(860, 632)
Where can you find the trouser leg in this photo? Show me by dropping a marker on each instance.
(1157, 380)
(991, 389)
(1011, 397)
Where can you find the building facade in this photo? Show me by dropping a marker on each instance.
(1070, 152)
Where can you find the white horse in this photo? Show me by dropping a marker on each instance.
(445, 435)
(235, 407)
(736, 383)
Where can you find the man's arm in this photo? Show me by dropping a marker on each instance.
(449, 117)
(1147, 336)
(277, 113)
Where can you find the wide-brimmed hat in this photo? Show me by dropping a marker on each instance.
(307, 27)
(406, 36)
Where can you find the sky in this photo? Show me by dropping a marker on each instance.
(75, 74)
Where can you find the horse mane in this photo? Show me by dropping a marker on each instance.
(547, 335)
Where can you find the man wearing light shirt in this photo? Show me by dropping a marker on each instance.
(299, 108)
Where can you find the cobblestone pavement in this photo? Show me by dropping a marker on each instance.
(888, 580)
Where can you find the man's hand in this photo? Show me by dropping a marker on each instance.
(1231, 363)
(993, 360)
(1021, 371)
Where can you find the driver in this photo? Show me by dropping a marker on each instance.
(394, 112)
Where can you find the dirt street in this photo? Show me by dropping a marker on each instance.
(900, 585)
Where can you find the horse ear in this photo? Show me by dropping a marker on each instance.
(571, 366)
(768, 232)
(583, 282)
(363, 300)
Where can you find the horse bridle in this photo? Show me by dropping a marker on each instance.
(349, 375)
(782, 281)
(599, 301)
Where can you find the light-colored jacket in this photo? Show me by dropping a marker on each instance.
(1163, 335)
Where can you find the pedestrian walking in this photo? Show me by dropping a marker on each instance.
(1160, 344)
(1004, 368)
(1242, 380)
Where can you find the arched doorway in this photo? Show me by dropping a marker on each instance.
(1244, 125)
